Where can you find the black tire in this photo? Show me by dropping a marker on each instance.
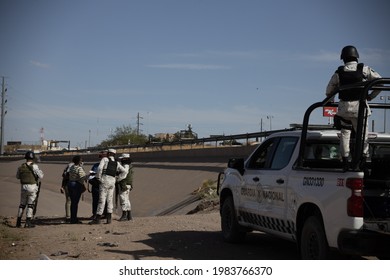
(231, 230)
(313, 243)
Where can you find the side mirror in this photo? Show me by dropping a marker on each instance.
(237, 163)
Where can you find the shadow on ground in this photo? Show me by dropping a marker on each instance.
(203, 245)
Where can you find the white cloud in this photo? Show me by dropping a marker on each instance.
(323, 56)
(39, 64)
(225, 54)
(375, 56)
(366, 55)
(189, 66)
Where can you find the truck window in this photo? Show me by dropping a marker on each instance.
(322, 151)
(322, 155)
(262, 157)
(284, 152)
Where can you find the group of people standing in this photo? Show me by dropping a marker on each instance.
(105, 177)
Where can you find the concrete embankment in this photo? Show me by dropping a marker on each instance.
(213, 155)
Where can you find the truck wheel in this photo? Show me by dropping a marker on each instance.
(313, 243)
(230, 228)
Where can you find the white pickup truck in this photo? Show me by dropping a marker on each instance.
(293, 186)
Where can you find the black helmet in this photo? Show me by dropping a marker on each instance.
(29, 155)
(349, 51)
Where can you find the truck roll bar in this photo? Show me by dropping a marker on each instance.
(382, 84)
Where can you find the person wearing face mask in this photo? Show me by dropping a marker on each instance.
(76, 187)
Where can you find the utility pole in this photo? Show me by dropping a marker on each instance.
(138, 123)
(3, 112)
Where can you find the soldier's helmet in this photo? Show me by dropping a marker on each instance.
(349, 51)
(29, 155)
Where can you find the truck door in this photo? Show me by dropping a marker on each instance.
(251, 189)
(270, 179)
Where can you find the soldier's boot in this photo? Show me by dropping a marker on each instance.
(19, 222)
(108, 218)
(95, 221)
(28, 223)
(124, 216)
(129, 217)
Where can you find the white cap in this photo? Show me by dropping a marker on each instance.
(113, 151)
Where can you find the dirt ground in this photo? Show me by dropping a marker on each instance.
(167, 237)
(174, 237)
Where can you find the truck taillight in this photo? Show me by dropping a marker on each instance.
(355, 201)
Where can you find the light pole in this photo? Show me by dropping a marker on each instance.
(261, 128)
(383, 97)
(270, 122)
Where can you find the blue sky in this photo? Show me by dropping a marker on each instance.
(79, 69)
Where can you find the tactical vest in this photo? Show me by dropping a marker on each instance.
(129, 177)
(26, 175)
(348, 78)
(111, 168)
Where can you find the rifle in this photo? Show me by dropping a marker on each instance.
(36, 199)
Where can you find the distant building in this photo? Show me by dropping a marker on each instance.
(164, 137)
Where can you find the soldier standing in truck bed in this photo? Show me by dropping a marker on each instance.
(350, 73)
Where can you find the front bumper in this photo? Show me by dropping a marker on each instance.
(364, 243)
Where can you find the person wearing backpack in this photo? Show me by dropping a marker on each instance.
(64, 190)
(29, 175)
(76, 187)
(350, 73)
(108, 172)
